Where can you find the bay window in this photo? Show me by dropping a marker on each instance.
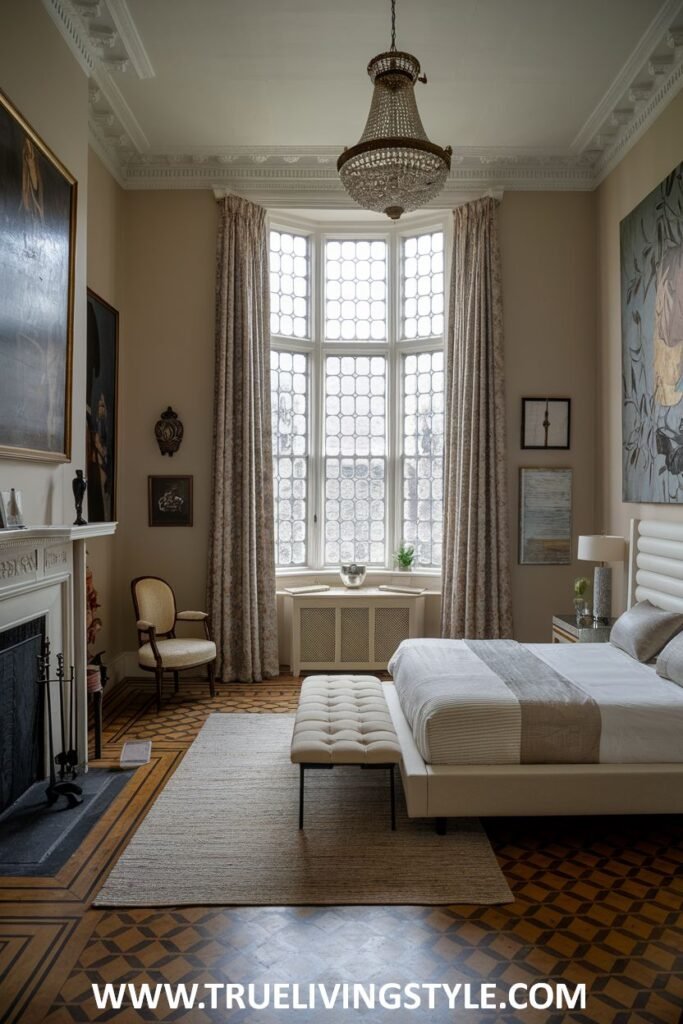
(357, 383)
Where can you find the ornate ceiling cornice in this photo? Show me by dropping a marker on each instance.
(105, 41)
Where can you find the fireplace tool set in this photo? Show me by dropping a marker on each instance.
(67, 759)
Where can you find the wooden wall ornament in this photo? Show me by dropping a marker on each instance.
(169, 432)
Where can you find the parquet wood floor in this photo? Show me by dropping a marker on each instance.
(598, 901)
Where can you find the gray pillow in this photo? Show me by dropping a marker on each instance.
(644, 630)
(670, 661)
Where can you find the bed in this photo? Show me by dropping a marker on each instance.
(638, 713)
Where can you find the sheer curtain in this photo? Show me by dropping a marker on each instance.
(241, 559)
(476, 599)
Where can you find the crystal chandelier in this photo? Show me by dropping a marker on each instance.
(394, 168)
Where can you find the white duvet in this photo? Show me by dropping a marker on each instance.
(480, 721)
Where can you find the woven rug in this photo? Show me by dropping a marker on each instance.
(225, 831)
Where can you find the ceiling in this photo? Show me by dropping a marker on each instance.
(525, 73)
(226, 91)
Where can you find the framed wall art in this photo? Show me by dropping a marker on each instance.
(651, 239)
(545, 516)
(170, 500)
(546, 423)
(37, 251)
(101, 408)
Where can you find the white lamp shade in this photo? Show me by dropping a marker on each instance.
(601, 549)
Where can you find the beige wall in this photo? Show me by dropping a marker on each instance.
(166, 359)
(44, 82)
(650, 160)
(547, 242)
(105, 277)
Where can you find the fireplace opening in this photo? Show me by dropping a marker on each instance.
(22, 715)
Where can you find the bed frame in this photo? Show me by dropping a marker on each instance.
(443, 791)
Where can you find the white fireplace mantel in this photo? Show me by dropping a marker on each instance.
(42, 572)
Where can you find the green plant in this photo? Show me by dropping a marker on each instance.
(405, 555)
(581, 585)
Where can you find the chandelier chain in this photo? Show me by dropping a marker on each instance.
(393, 24)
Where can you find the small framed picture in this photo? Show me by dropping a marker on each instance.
(11, 510)
(545, 516)
(546, 423)
(170, 500)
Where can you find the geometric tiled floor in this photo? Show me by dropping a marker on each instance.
(598, 901)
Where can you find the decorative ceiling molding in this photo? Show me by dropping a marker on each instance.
(307, 176)
(105, 41)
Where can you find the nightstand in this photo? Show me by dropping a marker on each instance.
(565, 631)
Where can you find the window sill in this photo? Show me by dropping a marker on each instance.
(325, 575)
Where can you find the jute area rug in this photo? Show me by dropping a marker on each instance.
(224, 831)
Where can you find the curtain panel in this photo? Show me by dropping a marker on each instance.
(241, 587)
(476, 599)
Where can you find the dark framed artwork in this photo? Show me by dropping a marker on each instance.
(38, 199)
(101, 408)
(651, 239)
(545, 516)
(170, 500)
(546, 423)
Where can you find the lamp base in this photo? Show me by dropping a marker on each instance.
(602, 595)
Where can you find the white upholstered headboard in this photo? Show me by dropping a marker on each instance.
(656, 563)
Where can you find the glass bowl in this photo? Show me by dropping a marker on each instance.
(352, 574)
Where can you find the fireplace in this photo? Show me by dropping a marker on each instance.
(22, 717)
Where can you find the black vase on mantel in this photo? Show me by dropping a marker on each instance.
(79, 487)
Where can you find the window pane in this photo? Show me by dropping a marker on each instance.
(422, 289)
(356, 290)
(290, 290)
(355, 459)
(289, 398)
(423, 425)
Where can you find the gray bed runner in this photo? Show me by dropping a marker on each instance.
(560, 723)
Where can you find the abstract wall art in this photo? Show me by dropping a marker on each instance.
(652, 345)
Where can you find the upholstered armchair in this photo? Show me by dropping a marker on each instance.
(160, 650)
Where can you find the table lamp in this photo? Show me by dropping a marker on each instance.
(602, 549)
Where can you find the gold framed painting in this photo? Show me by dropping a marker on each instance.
(38, 198)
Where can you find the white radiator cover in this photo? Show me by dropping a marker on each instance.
(349, 630)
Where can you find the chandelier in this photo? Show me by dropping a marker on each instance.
(394, 168)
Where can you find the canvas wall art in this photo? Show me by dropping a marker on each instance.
(545, 516)
(101, 409)
(652, 345)
(37, 246)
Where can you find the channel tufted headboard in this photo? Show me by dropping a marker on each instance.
(656, 563)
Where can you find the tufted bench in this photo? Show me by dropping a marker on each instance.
(344, 720)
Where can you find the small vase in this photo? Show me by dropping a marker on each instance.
(582, 611)
(405, 568)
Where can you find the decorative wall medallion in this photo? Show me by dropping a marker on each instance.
(169, 432)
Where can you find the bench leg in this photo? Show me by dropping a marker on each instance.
(301, 796)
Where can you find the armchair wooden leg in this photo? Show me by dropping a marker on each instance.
(176, 682)
(159, 678)
(211, 676)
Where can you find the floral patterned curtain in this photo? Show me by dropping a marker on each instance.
(476, 599)
(242, 558)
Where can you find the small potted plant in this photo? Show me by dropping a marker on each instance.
(405, 557)
(581, 606)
